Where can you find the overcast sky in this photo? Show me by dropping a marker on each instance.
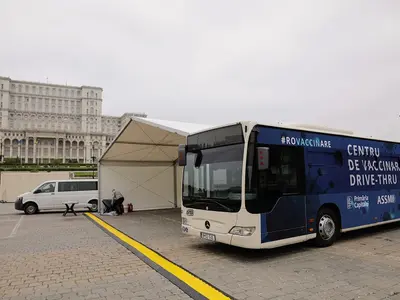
(333, 63)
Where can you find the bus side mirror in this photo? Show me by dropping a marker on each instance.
(182, 155)
(199, 159)
(263, 158)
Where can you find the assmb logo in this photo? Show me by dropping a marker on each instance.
(357, 202)
(386, 199)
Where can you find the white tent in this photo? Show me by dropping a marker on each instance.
(141, 163)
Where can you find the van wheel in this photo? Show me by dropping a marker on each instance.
(327, 227)
(30, 208)
(94, 206)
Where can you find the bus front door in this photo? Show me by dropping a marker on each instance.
(287, 219)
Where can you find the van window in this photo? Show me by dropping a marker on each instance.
(87, 185)
(67, 186)
(48, 187)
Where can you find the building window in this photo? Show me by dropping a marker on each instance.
(2, 86)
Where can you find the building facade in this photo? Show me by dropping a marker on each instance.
(42, 123)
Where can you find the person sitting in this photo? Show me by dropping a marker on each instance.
(118, 199)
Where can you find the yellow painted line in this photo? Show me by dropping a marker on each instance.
(194, 282)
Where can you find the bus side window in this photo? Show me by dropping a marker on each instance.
(285, 176)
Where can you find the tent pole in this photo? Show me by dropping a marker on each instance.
(100, 203)
(175, 187)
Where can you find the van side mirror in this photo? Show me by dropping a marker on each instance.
(182, 155)
(263, 158)
(38, 191)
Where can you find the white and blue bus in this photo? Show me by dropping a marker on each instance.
(260, 186)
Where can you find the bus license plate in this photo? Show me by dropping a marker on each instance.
(207, 236)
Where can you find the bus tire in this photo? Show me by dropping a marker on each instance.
(327, 227)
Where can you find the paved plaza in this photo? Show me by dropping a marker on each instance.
(362, 265)
(47, 256)
(53, 257)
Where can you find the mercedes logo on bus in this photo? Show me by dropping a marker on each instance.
(207, 224)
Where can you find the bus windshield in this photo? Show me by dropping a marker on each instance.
(215, 184)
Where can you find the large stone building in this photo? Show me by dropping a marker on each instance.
(43, 122)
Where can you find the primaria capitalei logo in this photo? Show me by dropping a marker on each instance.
(306, 142)
(357, 202)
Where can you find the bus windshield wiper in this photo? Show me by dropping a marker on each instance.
(220, 204)
(207, 200)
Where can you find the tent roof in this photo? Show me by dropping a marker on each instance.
(150, 140)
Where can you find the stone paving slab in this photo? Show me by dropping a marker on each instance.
(362, 265)
(55, 257)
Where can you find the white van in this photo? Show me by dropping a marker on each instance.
(50, 195)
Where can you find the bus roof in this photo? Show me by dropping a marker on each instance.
(300, 127)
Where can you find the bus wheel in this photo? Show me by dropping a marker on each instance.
(327, 227)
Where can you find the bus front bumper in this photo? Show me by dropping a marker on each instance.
(248, 242)
(224, 238)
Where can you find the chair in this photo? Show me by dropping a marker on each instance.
(108, 206)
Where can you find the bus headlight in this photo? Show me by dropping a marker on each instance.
(243, 231)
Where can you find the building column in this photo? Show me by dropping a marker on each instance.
(84, 153)
(34, 150)
(56, 149)
(63, 151)
(88, 153)
(26, 149)
(19, 149)
(78, 151)
(41, 153)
